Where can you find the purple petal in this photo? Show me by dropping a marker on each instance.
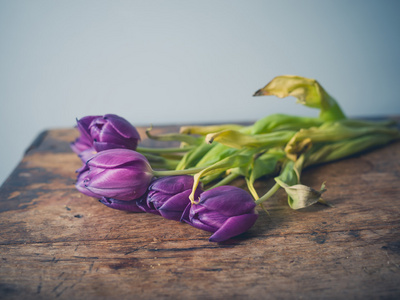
(83, 127)
(233, 227)
(110, 134)
(81, 186)
(116, 157)
(78, 146)
(119, 183)
(116, 178)
(172, 184)
(196, 219)
(199, 225)
(101, 146)
(121, 205)
(122, 126)
(124, 194)
(212, 219)
(228, 200)
(174, 207)
(87, 154)
(112, 131)
(186, 213)
(157, 199)
(177, 202)
(145, 206)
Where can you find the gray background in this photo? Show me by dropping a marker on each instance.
(171, 62)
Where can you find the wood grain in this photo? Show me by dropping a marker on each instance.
(57, 243)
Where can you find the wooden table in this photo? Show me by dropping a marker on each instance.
(56, 243)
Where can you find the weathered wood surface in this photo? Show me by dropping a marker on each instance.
(57, 243)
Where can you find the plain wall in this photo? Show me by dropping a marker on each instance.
(180, 62)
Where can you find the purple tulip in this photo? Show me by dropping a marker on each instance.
(226, 211)
(169, 196)
(112, 131)
(98, 133)
(121, 205)
(120, 174)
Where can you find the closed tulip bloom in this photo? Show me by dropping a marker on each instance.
(169, 195)
(226, 211)
(121, 174)
(98, 133)
(121, 205)
(112, 131)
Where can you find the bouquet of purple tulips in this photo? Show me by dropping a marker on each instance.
(192, 186)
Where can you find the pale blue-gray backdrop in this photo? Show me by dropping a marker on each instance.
(164, 62)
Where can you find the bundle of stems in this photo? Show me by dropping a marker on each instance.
(278, 146)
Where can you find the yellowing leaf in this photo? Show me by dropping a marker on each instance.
(307, 91)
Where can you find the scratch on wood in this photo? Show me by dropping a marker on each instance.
(61, 292)
(39, 287)
(91, 266)
(355, 233)
(57, 286)
(391, 262)
(183, 249)
(126, 263)
(54, 260)
(319, 237)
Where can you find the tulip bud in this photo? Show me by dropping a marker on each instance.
(100, 133)
(301, 196)
(226, 211)
(120, 174)
(112, 131)
(121, 205)
(170, 195)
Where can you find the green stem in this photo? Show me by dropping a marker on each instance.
(225, 181)
(177, 172)
(163, 150)
(333, 113)
(190, 140)
(272, 191)
(160, 162)
(251, 188)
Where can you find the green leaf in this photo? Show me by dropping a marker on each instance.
(278, 122)
(238, 140)
(189, 140)
(227, 163)
(327, 152)
(191, 158)
(204, 130)
(333, 132)
(216, 153)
